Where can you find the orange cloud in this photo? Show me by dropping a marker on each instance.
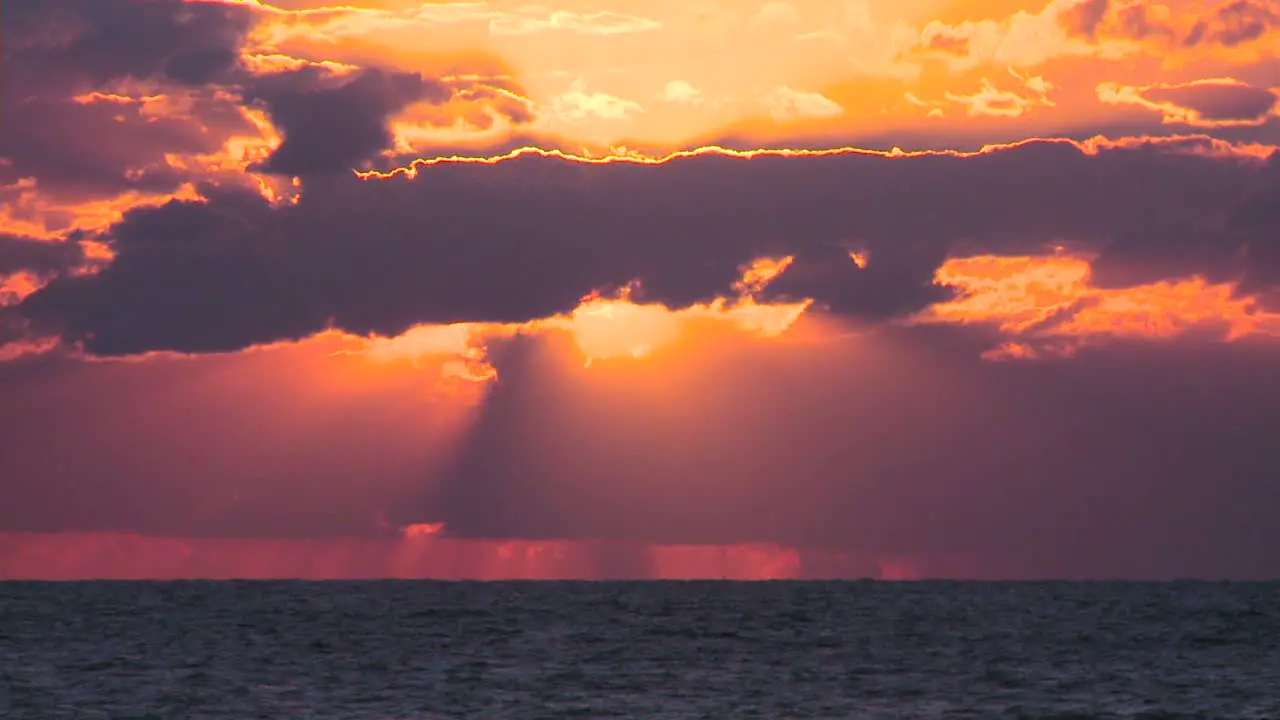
(33, 208)
(1050, 307)
(1022, 39)
(32, 213)
(990, 100)
(271, 63)
(1236, 22)
(578, 104)
(529, 20)
(1220, 102)
(16, 349)
(16, 286)
(786, 105)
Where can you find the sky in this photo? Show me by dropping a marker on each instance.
(619, 289)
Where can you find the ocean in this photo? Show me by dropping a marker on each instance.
(402, 650)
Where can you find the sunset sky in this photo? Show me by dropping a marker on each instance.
(647, 289)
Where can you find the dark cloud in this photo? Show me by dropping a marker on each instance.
(110, 145)
(333, 124)
(55, 52)
(1084, 17)
(99, 98)
(37, 256)
(1135, 21)
(1235, 23)
(1241, 247)
(1218, 100)
(65, 47)
(527, 238)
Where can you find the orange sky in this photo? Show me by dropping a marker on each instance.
(120, 190)
(668, 73)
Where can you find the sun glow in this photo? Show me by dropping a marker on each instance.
(602, 327)
(610, 328)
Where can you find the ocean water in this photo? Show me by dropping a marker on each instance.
(720, 650)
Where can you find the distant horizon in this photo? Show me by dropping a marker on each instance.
(444, 559)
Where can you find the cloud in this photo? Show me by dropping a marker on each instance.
(117, 110)
(1140, 21)
(681, 92)
(381, 256)
(1235, 23)
(577, 104)
(1021, 40)
(1084, 17)
(18, 254)
(938, 38)
(65, 47)
(99, 101)
(1202, 103)
(788, 105)
(1050, 307)
(533, 20)
(992, 101)
(1232, 24)
(333, 124)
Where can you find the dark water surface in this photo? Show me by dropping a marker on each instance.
(401, 650)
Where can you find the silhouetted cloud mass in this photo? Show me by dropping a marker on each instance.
(527, 238)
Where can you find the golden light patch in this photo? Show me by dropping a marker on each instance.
(617, 327)
(1049, 305)
(14, 287)
(1015, 293)
(459, 350)
(423, 530)
(602, 327)
(611, 328)
(22, 348)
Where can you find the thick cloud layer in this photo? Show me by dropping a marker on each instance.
(18, 254)
(65, 47)
(527, 238)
